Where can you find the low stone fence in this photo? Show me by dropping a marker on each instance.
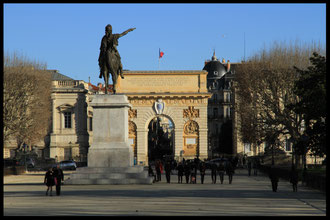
(316, 181)
(313, 180)
(14, 170)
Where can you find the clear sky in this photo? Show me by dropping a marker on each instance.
(67, 36)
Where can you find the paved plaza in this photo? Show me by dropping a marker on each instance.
(246, 196)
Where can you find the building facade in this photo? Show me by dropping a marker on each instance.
(195, 108)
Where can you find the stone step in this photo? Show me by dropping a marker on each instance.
(109, 175)
(133, 169)
(101, 181)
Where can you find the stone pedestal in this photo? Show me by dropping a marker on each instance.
(110, 132)
(110, 158)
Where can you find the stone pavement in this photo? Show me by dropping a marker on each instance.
(246, 196)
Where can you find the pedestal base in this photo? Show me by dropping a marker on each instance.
(109, 176)
(110, 157)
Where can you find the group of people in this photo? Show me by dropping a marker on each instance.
(224, 167)
(253, 165)
(54, 177)
(189, 169)
(274, 178)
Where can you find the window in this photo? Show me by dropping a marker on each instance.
(215, 97)
(265, 146)
(287, 145)
(247, 147)
(67, 120)
(215, 112)
(228, 97)
(228, 112)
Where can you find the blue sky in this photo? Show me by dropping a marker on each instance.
(67, 36)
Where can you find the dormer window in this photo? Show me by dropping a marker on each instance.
(216, 73)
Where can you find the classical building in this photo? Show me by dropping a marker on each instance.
(194, 108)
(180, 97)
(222, 127)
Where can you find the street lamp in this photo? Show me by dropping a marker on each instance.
(24, 150)
(291, 140)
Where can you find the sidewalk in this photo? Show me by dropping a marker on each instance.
(25, 195)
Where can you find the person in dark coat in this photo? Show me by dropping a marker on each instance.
(202, 170)
(180, 172)
(255, 168)
(58, 178)
(274, 178)
(49, 181)
(151, 172)
(249, 166)
(294, 179)
(221, 171)
(214, 173)
(187, 171)
(193, 175)
(230, 171)
(168, 168)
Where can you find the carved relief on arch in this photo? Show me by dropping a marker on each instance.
(132, 137)
(131, 128)
(191, 127)
(132, 113)
(191, 112)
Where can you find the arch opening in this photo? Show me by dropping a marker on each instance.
(160, 138)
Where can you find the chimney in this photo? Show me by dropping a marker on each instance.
(223, 60)
(228, 65)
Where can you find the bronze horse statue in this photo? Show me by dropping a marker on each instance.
(109, 58)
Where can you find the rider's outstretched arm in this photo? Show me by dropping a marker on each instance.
(125, 32)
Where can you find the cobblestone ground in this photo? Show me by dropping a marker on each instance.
(25, 195)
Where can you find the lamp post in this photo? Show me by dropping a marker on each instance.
(24, 150)
(291, 140)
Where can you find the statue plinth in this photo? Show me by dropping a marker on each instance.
(110, 146)
(110, 158)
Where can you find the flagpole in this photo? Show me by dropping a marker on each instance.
(158, 58)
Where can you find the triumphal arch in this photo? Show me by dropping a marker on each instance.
(179, 96)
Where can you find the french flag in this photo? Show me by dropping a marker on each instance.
(160, 53)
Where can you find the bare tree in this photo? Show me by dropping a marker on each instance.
(26, 104)
(264, 88)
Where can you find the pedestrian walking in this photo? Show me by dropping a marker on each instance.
(159, 170)
(187, 171)
(58, 178)
(294, 179)
(249, 166)
(193, 175)
(151, 172)
(180, 172)
(274, 178)
(168, 168)
(221, 171)
(214, 173)
(230, 171)
(255, 168)
(202, 170)
(49, 181)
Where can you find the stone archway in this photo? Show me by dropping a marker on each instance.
(160, 138)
